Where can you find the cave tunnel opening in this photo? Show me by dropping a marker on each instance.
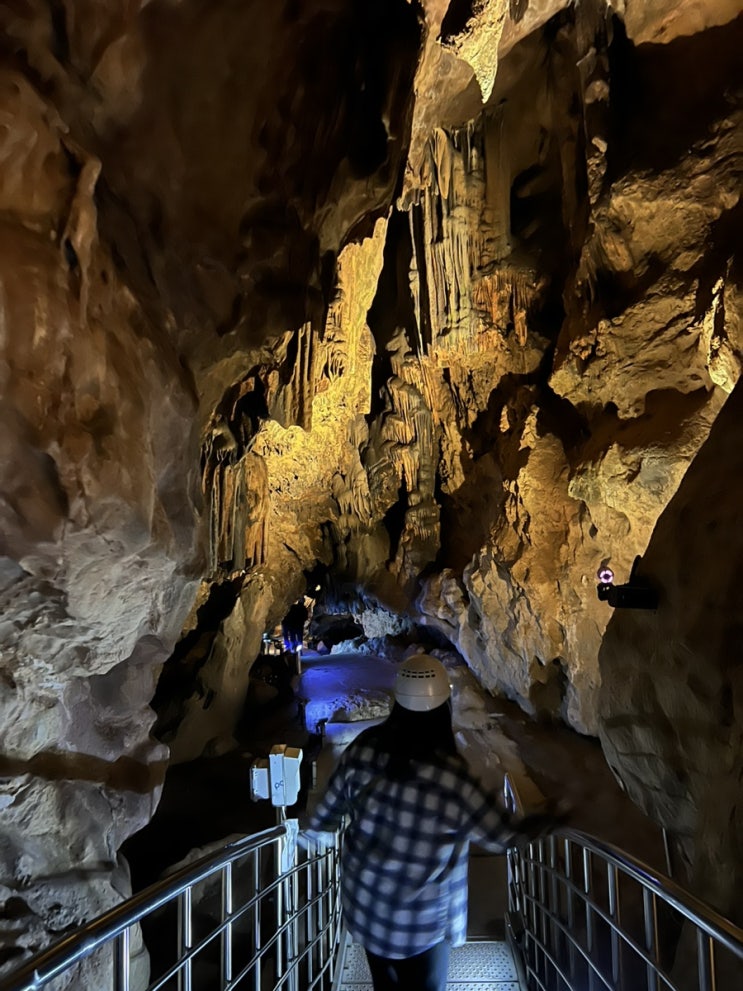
(331, 602)
(392, 307)
(685, 86)
(180, 673)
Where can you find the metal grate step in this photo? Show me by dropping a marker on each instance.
(481, 966)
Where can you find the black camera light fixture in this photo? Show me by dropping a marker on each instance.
(636, 594)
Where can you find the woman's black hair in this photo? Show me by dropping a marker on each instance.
(407, 736)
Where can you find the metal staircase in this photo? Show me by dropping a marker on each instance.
(477, 966)
(261, 914)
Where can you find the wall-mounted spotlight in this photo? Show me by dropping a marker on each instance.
(636, 594)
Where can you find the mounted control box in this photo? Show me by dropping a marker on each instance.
(276, 778)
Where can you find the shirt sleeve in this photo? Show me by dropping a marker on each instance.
(489, 826)
(334, 805)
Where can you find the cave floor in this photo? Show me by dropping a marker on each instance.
(207, 800)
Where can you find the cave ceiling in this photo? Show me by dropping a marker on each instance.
(441, 298)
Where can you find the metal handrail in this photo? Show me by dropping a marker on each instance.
(579, 927)
(581, 921)
(302, 893)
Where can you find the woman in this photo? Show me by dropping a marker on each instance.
(413, 807)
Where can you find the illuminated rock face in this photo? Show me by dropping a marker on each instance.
(98, 532)
(579, 330)
(243, 335)
(175, 184)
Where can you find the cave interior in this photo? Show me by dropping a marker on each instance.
(425, 312)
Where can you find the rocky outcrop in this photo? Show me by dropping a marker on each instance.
(671, 679)
(98, 533)
(577, 482)
(172, 201)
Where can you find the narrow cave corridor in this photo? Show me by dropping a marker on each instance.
(423, 314)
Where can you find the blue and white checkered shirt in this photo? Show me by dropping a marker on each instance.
(404, 861)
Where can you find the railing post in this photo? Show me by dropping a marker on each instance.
(542, 888)
(321, 889)
(612, 880)
(226, 939)
(554, 898)
(588, 889)
(309, 919)
(257, 920)
(279, 914)
(532, 889)
(570, 913)
(121, 961)
(335, 939)
(650, 918)
(185, 938)
(286, 907)
(294, 929)
(706, 962)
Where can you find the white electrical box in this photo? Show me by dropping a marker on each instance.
(278, 777)
(259, 780)
(283, 774)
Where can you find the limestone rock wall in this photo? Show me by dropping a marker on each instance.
(246, 333)
(671, 680)
(560, 447)
(176, 181)
(98, 536)
(586, 230)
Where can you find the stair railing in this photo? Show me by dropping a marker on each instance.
(257, 914)
(586, 916)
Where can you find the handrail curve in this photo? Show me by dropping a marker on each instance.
(684, 901)
(705, 916)
(551, 887)
(298, 898)
(585, 908)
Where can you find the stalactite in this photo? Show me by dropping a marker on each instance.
(424, 434)
(303, 380)
(235, 487)
(593, 37)
(81, 230)
(406, 461)
(352, 495)
(505, 297)
(400, 428)
(414, 277)
(443, 251)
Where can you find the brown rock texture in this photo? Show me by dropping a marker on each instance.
(438, 301)
(98, 536)
(672, 683)
(175, 184)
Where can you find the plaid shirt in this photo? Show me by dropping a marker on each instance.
(405, 850)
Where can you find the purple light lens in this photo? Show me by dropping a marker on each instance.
(606, 576)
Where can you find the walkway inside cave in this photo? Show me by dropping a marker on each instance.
(206, 800)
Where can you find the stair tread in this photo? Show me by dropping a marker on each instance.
(478, 966)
